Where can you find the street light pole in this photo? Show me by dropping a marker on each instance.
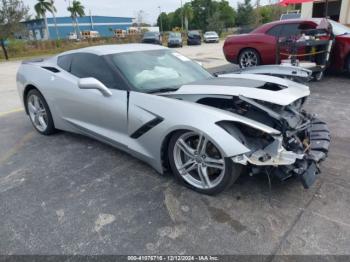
(160, 18)
(182, 18)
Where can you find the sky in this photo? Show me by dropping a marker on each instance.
(126, 8)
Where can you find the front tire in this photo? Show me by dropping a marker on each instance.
(319, 76)
(39, 113)
(248, 58)
(199, 164)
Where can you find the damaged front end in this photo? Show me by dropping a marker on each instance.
(302, 144)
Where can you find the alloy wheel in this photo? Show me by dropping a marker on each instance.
(37, 112)
(248, 58)
(198, 160)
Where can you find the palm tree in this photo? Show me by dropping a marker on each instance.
(53, 11)
(41, 8)
(77, 9)
(187, 13)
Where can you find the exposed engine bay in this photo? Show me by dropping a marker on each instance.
(297, 150)
(303, 143)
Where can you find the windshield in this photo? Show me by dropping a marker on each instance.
(193, 33)
(149, 71)
(210, 33)
(149, 34)
(339, 29)
(175, 35)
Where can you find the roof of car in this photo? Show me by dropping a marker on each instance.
(114, 49)
(287, 21)
(267, 26)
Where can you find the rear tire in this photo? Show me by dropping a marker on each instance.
(347, 66)
(39, 113)
(248, 58)
(198, 164)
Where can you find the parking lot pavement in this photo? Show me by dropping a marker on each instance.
(8, 93)
(68, 194)
(209, 54)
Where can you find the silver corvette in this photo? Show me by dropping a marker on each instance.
(168, 111)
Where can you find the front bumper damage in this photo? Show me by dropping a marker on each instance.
(302, 162)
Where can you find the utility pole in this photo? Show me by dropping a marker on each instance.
(182, 17)
(257, 18)
(91, 21)
(160, 18)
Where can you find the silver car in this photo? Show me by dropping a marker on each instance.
(168, 111)
(174, 39)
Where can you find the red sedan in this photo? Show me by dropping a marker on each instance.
(259, 46)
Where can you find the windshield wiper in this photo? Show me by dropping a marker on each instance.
(163, 90)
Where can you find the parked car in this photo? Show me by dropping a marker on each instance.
(211, 37)
(152, 38)
(259, 47)
(174, 39)
(194, 38)
(90, 34)
(150, 101)
(72, 36)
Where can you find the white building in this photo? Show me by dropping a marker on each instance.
(338, 10)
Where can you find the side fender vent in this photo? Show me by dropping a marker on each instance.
(52, 69)
(146, 127)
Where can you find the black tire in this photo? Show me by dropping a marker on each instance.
(231, 173)
(50, 129)
(347, 65)
(319, 76)
(246, 52)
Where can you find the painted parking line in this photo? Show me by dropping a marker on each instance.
(11, 111)
(12, 151)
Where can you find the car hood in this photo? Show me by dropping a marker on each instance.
(260, 87)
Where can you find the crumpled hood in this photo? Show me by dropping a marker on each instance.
(261, 87)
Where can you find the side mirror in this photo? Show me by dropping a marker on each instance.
(93, 83)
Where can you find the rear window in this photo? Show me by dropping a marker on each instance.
(193, 33)
(150, 34)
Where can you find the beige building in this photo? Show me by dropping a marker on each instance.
(338, 10)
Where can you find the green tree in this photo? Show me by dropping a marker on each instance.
(188, 14)
(41, 7)
(215, 23)
(176, 20)
(12, 12)
(245, 13)
(163, 22)
(227, 13)
(76, 9)
(202, 10)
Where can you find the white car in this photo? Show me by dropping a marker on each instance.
(211, 37)
(72, 36)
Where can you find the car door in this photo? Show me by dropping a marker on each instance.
(270, 49)
(88, 110)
